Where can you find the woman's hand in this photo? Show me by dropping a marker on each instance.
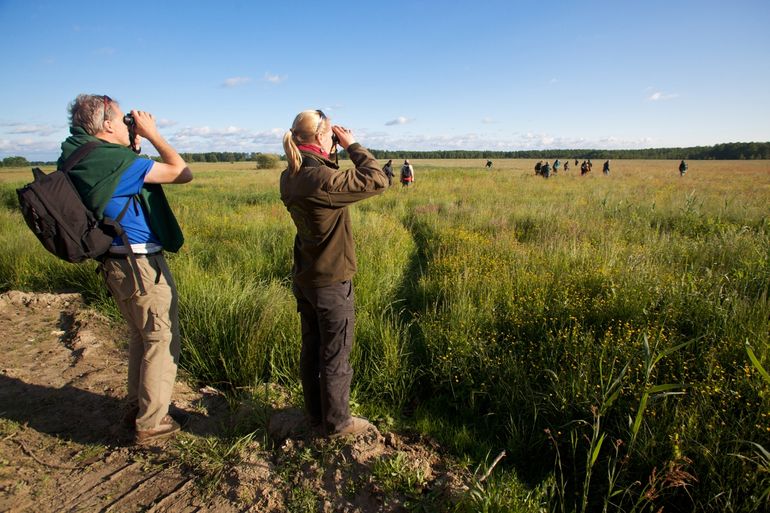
(344, 135)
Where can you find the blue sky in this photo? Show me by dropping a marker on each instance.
(420, 75)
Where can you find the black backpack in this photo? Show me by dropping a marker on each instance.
(55, 213)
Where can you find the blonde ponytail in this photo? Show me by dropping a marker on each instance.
(293, 156)
(305, 127)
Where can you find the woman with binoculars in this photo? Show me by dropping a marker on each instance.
(316, 193)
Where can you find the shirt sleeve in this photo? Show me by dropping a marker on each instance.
(351, 185)
(132, 179)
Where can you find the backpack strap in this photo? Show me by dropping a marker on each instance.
(124, 237)
(118, 231)
(79, 155)
(76, 157)
(125, 208)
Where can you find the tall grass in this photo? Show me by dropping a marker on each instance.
(595, 328)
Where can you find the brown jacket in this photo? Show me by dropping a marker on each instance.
(317, 197)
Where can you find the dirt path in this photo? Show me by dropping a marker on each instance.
(63, 447)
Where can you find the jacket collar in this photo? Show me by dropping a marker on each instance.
(312, 159)
(312, 148)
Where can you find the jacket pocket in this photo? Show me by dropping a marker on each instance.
(349, 302)
(157, 319)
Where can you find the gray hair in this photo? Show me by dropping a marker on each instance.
(89, 111)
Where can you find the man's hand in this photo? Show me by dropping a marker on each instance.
(173, 168)
(145, 125)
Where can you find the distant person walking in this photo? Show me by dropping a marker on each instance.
(388, 170)
(556, 165)
(489, 164)
(682, 168)
(606, 167)
(545, 170)
(590, 165)
(538, 167)
(407, 174)
(566, 166)
(576, 162)
(584, 168)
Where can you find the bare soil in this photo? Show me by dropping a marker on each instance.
(64, 448)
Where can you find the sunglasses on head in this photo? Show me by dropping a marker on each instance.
(335, 140)
(321, 118)
(107, 100)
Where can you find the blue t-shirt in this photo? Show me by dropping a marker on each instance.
(134, 221)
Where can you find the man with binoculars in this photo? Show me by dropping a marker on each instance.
(113, 181)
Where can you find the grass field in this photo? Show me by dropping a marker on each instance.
(610, 333)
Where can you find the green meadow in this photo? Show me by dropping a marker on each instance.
(609, 333)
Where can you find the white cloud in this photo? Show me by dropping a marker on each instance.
(165, 123)
(479, 141)
(401, 120)
(200, 131)
(205, 131)
(553, 81)
(488, 121)
(231, 138)
(40, 130)
(658, 96)
(33, 148)
(274, 79)
(236, 81)
(230, 130)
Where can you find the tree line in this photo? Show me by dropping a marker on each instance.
(725, 151)
(222, 156)
(262, 160)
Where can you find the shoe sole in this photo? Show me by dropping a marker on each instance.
(129, 420)
(159, 436)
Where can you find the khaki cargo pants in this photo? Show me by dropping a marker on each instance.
(153, 325)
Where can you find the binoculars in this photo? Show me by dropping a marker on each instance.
(130, 122)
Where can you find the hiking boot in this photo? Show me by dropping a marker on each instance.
(167, 427)
(180, 416)
(356, 426)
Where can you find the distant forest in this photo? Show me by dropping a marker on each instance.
(726, 151)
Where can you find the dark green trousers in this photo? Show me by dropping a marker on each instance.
(327, 317)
